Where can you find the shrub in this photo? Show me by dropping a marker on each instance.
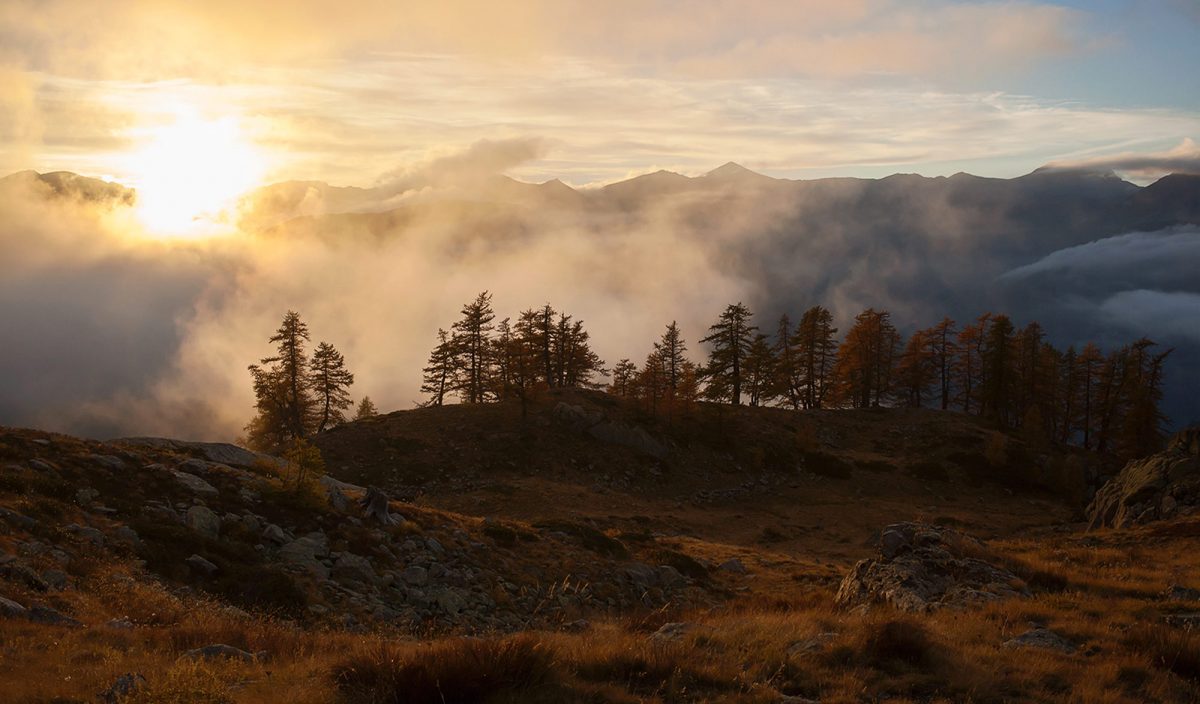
(459, 671)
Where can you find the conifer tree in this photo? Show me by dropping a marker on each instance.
(330, 381)
(969, 363)
(623, 374)
(366, 409)
(671, 348)
(759, 370)
(786, 382)
(438, 376)
(730, 339)
(471, 341)
(817, 350)
(997, 393)
(867, 358)
(1090, 364)
(282, 390)
(943, 348)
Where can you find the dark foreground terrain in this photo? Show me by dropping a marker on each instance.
(589, 553)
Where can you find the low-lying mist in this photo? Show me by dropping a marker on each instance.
(111, 332)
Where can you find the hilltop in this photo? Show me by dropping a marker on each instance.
(599, 553)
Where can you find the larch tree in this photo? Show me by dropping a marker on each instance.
(330, 381)
(730, 338)
(438, 376)
(817, 350)
(366, 409)
(786, 381)
(1090, 363)
(759, 370)
(997, 393)
(867, 358)
(471, 340)
(283, 390)
(623, 374)
(917, 370)
(942, 339)
(969, 364)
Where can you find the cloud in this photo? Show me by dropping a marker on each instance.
(1184, 158)
(1173, 314)
(1168, 257)
(481, 160)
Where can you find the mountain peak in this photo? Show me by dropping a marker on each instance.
(731, 169)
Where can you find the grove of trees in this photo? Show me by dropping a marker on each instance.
(297, 396)
(1107, 402)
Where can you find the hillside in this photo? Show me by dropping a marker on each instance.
(598, 555)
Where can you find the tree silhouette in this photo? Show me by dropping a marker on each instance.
(439, 373)
(471, 343)
(366, 409)
(730, 339)
(330, 380)
(817, 350)
(282, 390)
(867, 358)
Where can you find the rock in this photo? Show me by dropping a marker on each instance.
(415, 575)
(11, 609)
(91, 535)
(275, 534)
(120, 624)
(1038, 637)
(107, 461)
(642, 576)
(48, 616)
(306, 552)
(194, 484)
(55, 579)
(598, 426)
(337, 500)
(202, 520)
(449, 601)
(201, 565)
(221, 651)
(671, 632)
(811, 645)
(125, 686)
(23, 574)
(17, 520)
(86, 495)
(219, 452)
(1189, 621)
(1152, 488)
(354, 568)
(1178, 593)
(930, 568)
(578, 626)
(733, 565)
(127, 536)
(670, 577)
(331, 483)
(41, 465)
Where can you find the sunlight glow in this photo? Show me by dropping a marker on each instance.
(188, 172)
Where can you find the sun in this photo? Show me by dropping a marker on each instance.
(188, 172)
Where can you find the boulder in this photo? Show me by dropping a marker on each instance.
(11, 609)
(732, 565)
(220, 651)
(201, 565)
(306, 552)
(194, 484)
(202, 520)
(355, 568)
(1038, 637)
(124, 687)
(1152, 488)
(47, 615)
(602, 428)
(922, 568)
(219, 452)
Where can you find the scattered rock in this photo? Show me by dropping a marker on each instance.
(218, 452)
(86, 495)
(120, 624)
(275, 534)
(48, 616)
(1178, 593)
(17, 520)
(1039, 637)
(355, 568)
(125, 686)
(220, 651)
(202, 520)
(201, 565)
(415, 575)
(55, 579)
(929, 568)
(194, 484)
(1189, 621)
(811, 645)
(733, 565)
(91, 535)
(598, 426)
(672, 632)
(578, 626)
(375, 505)
(1152, 488)
(305, 552)
(11, 609)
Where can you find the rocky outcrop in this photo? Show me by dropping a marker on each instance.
(922, 568)
(1160, 486)
(604, 429)
(218, 452)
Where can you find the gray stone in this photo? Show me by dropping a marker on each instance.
(124, 687)
(929, 569)
(194, 484)
(127, 536)
(17, 520)
(219, 452)
(355, 568)
(85, 495)
(1039, 637)
(92, 535)
(48, 616)
(107, 461)
(41, 465)
(306, 553)
(202, 520)
(1178, 593)
(450, 601)
(11, 609)
(120, 624)
(672, 632)
(56, 579)
(415, 575)
(815, 644)
(732, 565)
(220, 651)
(1152, 488)
(201, 565)
(275, 534)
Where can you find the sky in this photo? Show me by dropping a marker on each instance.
(351, 92)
